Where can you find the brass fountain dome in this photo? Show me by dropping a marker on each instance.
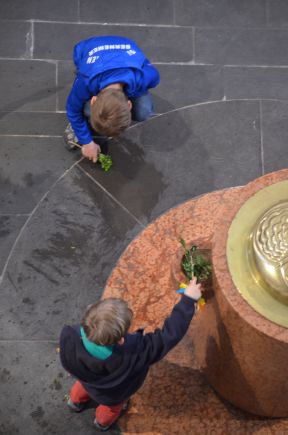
(257, 252)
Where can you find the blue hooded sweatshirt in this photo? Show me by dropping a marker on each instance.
(100, 62)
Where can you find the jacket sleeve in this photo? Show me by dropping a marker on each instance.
(77, 98)
(142, 81)
(157, 344)
(152, 75)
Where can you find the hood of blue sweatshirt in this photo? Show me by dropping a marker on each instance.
(104, 60)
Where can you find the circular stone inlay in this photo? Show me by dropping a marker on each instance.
(257, 252)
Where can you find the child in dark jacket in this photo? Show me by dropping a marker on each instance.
(111, 364)
(113, 78)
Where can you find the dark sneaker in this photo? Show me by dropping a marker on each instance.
(72, 143)
(104, 428)
(70, 138)
(76, 407)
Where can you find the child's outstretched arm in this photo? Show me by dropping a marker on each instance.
(157, 344)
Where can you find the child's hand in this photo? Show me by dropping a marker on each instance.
(91, 151)
(193, 290)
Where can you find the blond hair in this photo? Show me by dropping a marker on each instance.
(107, 321)
(110, 114)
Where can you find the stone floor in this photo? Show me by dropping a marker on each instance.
(222, 106)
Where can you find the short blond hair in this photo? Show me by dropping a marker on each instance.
(110, 114)
(107, 321)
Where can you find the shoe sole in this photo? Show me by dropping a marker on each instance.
(74, 408)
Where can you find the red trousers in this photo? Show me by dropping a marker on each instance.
(105, 415)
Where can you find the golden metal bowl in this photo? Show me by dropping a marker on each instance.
(270, 245)
(256, 252)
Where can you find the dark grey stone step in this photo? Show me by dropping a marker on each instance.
(127, 11)
(32, 123)
(162, 44)
(15, 39)
(27, 85)
(277, 13)
(55, 10)
(256, 82)
(213, 13)
(275, 135)
(241, 46)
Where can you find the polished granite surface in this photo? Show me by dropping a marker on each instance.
(146, 276)
(222, 121)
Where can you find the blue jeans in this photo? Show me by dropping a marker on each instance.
(142, 108)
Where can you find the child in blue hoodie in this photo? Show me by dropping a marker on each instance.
(111, 87)
(109, 363)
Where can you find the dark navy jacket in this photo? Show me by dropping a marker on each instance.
(102, 61)
(116, 378)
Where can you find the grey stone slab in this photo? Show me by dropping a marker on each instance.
(228, 13)
(62, 261)
(183, 85)
(160, 44)
(123, 11)
(32, 123)
(182, 154)
(14, 38)
(253, 82)
(66, 78)
(33, 387)
(64, 10)
(10, 227)
(275, 135)
(277, 13)
(27, 85)
(134, 178)
(241, 46)
(29, 166)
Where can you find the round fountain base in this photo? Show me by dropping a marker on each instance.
(242, 354)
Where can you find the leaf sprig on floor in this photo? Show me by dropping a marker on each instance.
(105, 161)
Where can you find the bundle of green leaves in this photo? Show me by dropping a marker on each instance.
(194, 264)
(105, 161)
